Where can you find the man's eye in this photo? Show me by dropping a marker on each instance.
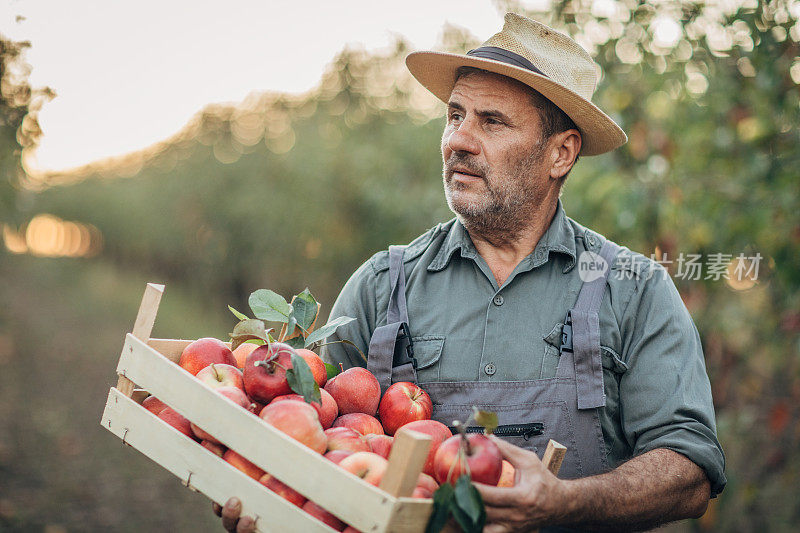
(493, 121)
(455, 116)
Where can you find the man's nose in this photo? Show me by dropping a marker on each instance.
(462, 140)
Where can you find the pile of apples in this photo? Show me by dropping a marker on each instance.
(352, 424)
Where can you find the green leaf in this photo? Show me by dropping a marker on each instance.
(268, 305)
(443, 500)
(249, 329)
(486, 419)
(296, 342)
(468, 510)
(304, 309)
(327, 330)
(290, 325)
(237, 314)
(331, 370)
(301, 380)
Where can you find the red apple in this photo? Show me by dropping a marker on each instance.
(202, 352)
(355, 390)
(435, 429)
(234, 394)
(154, 405)
(380, 444)
(427, 482)
(342, 438)
(298, 420)
(323, 516)
(218, 375)
(282, 489)
(243, 464)
(336, 456)
(213, 447)
(327, 411)
(360, 422)
(242, 351)
(176, 420)
(351, 529)
(367, 465)
(316, 364)
(507, 475)
(482, 455)
(265, 372)
(402, 403)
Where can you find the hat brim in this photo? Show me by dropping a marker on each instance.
(436, 71)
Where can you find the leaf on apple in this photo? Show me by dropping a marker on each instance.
(443, 499)
(249, 329)
(327, 330)
(331, 370)
(301, 380)
(304, 310)
(237, 314)
(296, 342)
(468, 508)
(485, 419)
(268, 305)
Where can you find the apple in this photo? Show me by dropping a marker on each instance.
(327, 411)
(154, 405)
(380, 444)
(355, 390)
(213, 447)
(176, 420)
(481, 454)
(316, 364)
(298, 420)
(234, 394)
(367, 465)
(506, 475)
(351, 529)
(343, 438)
(403, 402)
(360, 422)
(202, 352)
(265, 372)
(242, 351)
(438, 431)
(243, 464)
(336, 456)
(323, 516)
(221, 375)
(427, 482)
(282, 489)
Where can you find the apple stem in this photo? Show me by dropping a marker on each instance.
(216, 374)
(341, 367)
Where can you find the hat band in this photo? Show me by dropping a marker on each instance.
(500, 54)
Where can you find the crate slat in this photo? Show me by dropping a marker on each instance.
(200, 469)
(354, 501)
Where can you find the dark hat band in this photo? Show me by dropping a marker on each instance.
(500, 54)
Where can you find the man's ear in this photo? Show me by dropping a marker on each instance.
(565, 147)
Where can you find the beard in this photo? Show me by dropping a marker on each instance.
(504, 202)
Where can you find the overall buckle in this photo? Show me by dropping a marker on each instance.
(404, 348)
(566, 334)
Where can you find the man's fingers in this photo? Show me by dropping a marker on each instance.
(246, 525)
(496, 528)
(515, 455)
(498, 496)
(230, 514)
(217, 508)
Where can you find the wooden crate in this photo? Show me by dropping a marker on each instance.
(150, 365)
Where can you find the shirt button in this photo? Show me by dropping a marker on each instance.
(498, 300)
(490, 369)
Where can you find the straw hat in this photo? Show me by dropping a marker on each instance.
(540, 57)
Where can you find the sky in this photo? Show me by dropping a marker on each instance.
(128, 74)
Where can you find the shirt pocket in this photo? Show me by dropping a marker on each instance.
(428, 352)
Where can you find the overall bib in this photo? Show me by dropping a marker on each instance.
(564, 408)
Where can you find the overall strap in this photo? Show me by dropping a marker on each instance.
(586, 334)
(390, 356)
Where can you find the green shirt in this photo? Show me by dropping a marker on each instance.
(466, 328)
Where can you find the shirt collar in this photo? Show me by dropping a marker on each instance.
(559, 237)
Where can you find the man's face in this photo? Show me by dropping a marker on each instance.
(492, 148)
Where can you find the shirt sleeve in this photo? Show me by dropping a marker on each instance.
(356, 300)
(665, 395)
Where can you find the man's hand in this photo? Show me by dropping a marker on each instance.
(230, 517)
(530, 503)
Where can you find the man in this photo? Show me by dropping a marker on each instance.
(518, 309)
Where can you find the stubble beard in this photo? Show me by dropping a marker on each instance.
(505, 207)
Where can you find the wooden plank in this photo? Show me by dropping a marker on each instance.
(201, 470)
(143, 326)
(411, 515)
(356, 502)
(553, 456)
(409, 451)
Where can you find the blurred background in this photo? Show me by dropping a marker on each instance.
(293, 186)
